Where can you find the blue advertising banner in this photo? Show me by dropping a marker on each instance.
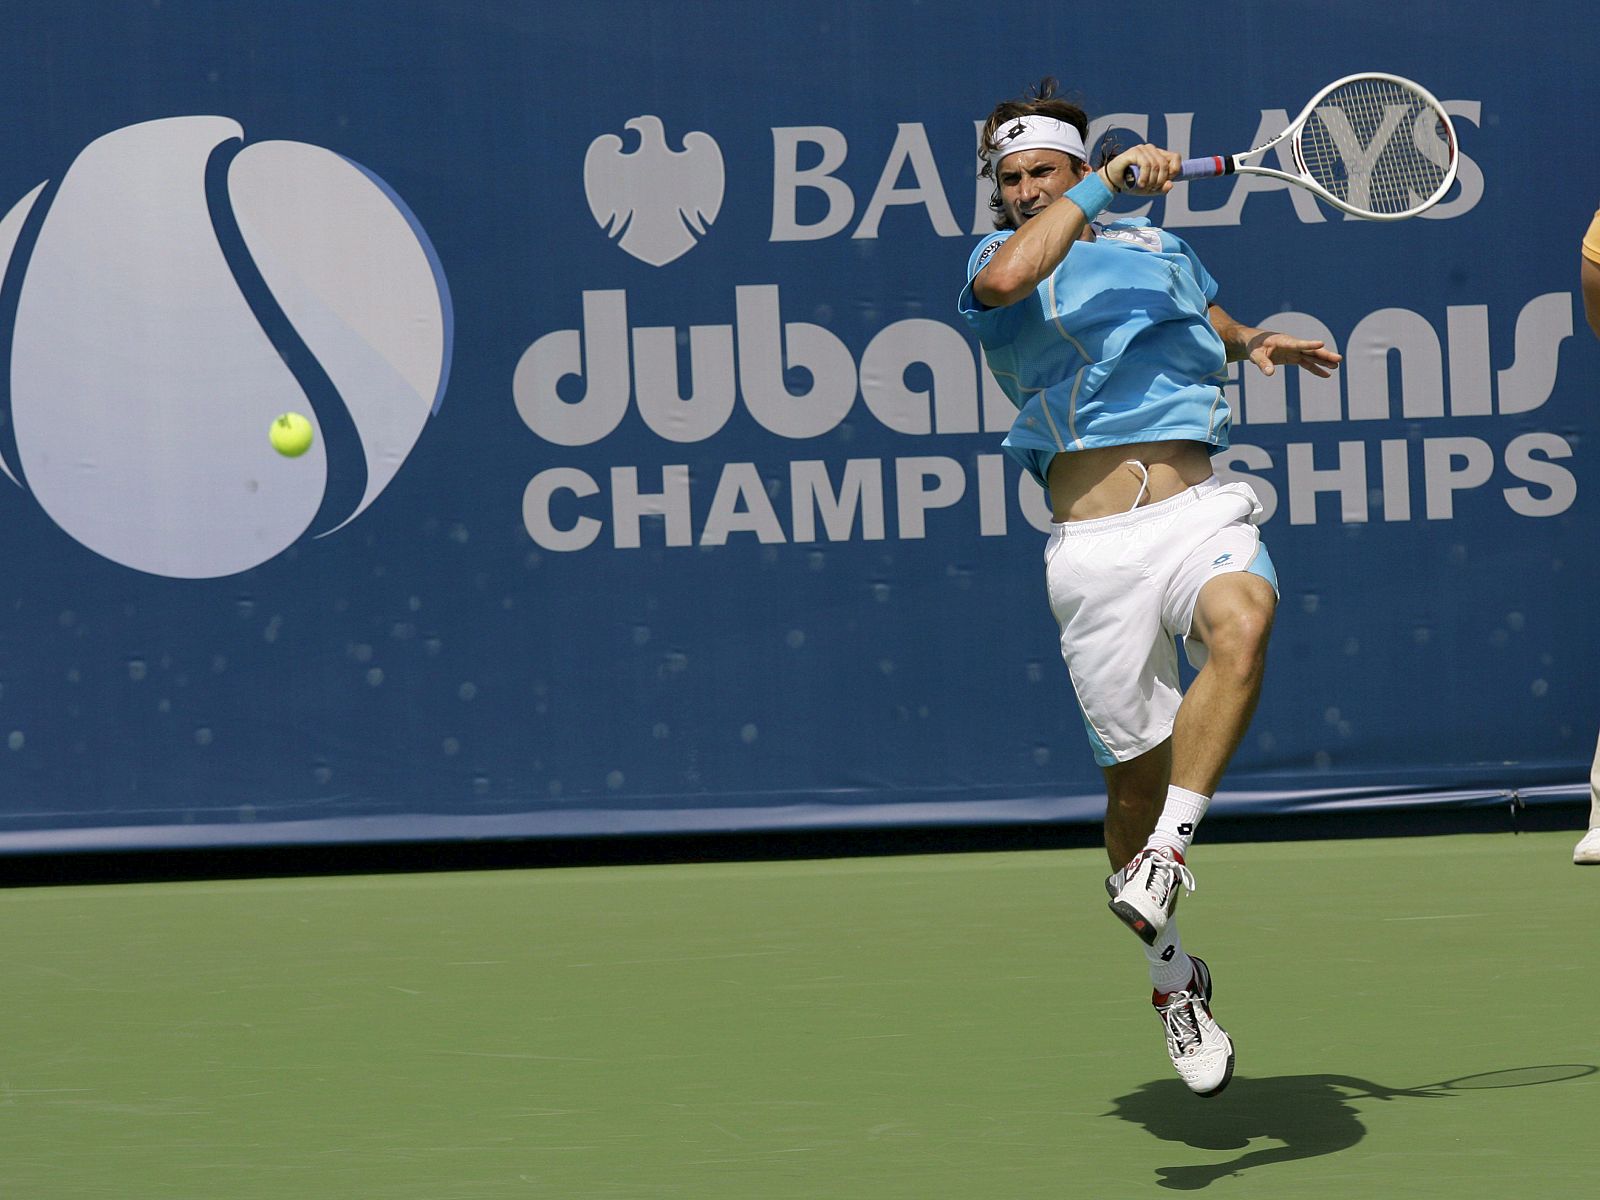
(654, 482)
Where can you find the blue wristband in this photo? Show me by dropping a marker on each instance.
(1092, 195)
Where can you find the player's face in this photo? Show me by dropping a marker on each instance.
(1032, 180)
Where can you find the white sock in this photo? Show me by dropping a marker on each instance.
(1180, 817)
(1170, 967)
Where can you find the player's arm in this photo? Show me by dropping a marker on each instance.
(1589, 280)
(1265, 348)
(1031, 254)
(1589, 274)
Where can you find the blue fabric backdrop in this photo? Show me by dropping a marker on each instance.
(657, 484)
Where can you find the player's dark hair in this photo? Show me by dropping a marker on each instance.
(1039, 100)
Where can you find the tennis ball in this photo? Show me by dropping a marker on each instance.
(291, 435)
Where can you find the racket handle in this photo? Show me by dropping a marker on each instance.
(1191, 168)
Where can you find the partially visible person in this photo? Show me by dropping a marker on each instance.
(1589, 274)
(1588, 850)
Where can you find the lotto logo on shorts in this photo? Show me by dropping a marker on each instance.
(1222, 559)
(179, 290)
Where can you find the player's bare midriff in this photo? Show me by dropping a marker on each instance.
(1085, 484)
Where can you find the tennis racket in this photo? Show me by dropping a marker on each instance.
(1376, 146)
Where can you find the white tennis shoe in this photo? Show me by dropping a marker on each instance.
(1199, 1048)
(1144, 893)
(1587, 853)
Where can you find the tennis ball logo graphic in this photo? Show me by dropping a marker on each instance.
(179, 291)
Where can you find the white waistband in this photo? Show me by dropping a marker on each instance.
(1150, 512)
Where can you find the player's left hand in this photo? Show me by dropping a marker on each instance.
(1267, 348)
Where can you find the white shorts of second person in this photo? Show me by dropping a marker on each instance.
(1124, 587)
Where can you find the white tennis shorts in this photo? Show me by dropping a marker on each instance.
(1123, 588)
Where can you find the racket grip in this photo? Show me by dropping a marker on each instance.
(1191, 168)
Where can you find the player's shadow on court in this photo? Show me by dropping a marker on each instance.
(1308, 1115)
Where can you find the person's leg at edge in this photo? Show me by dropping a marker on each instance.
(1594, 790)
(1587, 851)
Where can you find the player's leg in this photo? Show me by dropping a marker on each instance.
(1223, 595)
(1587, 852)
(1120, 654)
(1143, 894)
(1200, 1050)
(1180, 986)
(1221, 598)
(1135, 793)
(1233, 620)
(1228, 618)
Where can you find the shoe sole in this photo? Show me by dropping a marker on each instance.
(1135, 920)
(1226, 1076)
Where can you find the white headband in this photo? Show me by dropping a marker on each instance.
(1035, 133)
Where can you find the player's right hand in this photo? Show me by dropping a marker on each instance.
(1156, 169)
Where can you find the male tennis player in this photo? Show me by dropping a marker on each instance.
(1108, 339)
(1587, 852)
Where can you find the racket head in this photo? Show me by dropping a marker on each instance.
(1377, 146)
(1518, 1077)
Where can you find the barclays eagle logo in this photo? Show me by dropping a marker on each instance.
(658, 200)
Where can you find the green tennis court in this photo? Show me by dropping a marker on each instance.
(943, 1026)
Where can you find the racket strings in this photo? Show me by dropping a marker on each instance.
(1377, 145)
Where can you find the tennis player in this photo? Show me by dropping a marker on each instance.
(1587, 851)
(1107, 337)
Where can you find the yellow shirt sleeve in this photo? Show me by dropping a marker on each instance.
(1591, 240)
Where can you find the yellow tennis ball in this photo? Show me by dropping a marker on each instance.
(291, 435)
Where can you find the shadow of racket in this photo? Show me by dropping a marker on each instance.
(1310, 1116)
(1510, 1077)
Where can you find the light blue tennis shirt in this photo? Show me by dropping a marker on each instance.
(1114, 347)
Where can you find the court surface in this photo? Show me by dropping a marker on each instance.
(966, 1026)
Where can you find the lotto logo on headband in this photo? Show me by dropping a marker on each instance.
(180, 290)
(1036, 132)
